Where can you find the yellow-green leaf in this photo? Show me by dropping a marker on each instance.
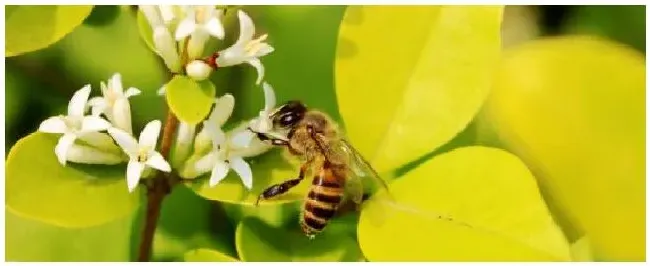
(190, 100)
(581, 250)
(28, 240)
(410, 78)
(257, 241)
(574, 108)
(207, 255)
(32, 28)
(488, 189)
(38, 187)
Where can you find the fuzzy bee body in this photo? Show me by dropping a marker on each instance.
(314, 137)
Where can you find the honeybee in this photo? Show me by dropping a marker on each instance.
(339, 169)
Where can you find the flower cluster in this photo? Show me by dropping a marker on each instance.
(83, 139)
(184, 30)
(105, 136)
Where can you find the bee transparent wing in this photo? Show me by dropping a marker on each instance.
(360, 166)
(360, 173)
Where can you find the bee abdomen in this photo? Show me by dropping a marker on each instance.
(320, 206)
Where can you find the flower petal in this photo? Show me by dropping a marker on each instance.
(242, 168)
(121, 114)
(149, 135)
(263, 49)
(242, 139)
(217, 135)
(152, 13)
(77, 104)
(115, 84)
(131, 92)
(54, 124)
(246, 28)
(157, 161)
(185, 28)
(166, 47)
(167, 13)
(94, 123)
(269, 97)
(61, 149)
(133, 173)
(255, 62)
(98, 105)
(127, 142)
(223, 108)
(196, 43)
(215, 28)
(219, 172)
(205, 163)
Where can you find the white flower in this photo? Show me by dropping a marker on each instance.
(162, 15)
(198, 70)
(200, 23)
(114, 103)
(262, 123)
(224, 155)
(74, 125)
(246, 49)
(141, 152)
(223, 108)
(162, 19)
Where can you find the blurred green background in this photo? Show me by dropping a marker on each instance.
(39, 84)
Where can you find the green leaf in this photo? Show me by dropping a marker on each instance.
(38, 187)
(207, 255)
(257, 241)
(31, 28)
(146, 33)
(102, 15)
(268, 169)
(30, 240)
(190, 100)
(408, 79)
(498, 213)
(578, 119)
(625, 24)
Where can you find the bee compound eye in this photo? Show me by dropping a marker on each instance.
(288, 119)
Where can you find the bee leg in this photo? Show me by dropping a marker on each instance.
(279, 189)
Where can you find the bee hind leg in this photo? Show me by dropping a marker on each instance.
(281, 188)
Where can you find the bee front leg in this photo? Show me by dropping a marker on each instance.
(279, 189)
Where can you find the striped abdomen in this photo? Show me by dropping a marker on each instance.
(322, 200)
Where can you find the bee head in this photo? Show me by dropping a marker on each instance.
(289, 114)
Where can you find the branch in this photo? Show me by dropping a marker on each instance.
(157, 191)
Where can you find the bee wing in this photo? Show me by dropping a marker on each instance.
(361, 172)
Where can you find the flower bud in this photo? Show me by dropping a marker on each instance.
(183, 144)
(198, 70)
(122, 115)
(196, 43)
(100, 141)
(166, 48)
(202, 142)
(89, 155)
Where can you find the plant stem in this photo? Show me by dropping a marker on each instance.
(156, 193)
